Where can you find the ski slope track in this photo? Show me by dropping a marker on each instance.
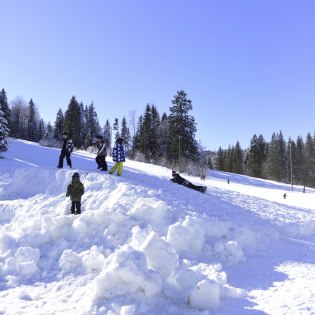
(144, 245)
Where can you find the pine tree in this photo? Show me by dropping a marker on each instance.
(18, 122)
(49, 132)
(73, 122)
(277, 159)
(228, 159)
(148, 136)
(50, 129)
(209, 163)
(182, 129)
(154, 135)
(59, 124)
(85, 130)
(310, 160)
(41, 130)
(238, 160)
(93, 123)
(4, 131)
(84, 138)
(132, 122)
(299, 162)
(5, 105)
(107, 134)
(144, 133)
(283, 157)
(32, 124)
(116, 129)
(256, 156)
(137, 139)
(220, 160)
(125, 133)
(163, 135)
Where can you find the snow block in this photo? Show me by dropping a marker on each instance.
(126, 273)
(69, 261)
(160, 255)
(93, 260)
(205, 296)
(186, 236)
(24, 262)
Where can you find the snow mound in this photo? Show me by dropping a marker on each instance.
(131, 244)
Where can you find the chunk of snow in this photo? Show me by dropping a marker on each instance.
(126, 273)
(160, 255)
(70, 261)
(186, 236)
(205, 296)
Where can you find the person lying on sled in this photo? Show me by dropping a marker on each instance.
(182, 181)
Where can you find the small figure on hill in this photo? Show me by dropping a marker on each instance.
(228, 180)
(66, 150)
(75, 191)
(182, 181)
(284, 196)
(101, 154)
(203, 177)
(118, 157)
(304, 189)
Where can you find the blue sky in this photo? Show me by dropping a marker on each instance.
(248, 66)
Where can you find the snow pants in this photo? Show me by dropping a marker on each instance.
(64, 154)
(118, 165)
(101, 162)
(192, 186)
(76, 207)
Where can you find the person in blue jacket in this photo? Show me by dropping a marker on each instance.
(118, 157)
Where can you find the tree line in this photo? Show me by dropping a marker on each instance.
(164, 139)
(279, 160)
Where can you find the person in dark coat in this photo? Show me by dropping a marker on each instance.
(75, 191)
(118, 157)
(101, 154)
(182, 181)
(66, 150)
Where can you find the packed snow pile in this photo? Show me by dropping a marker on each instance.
(142, 244)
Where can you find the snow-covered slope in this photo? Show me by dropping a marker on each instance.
(144, 245)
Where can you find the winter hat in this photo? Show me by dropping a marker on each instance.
(76, 175)
(65, 133)
(99, 137)
(174, 173)
(119, 140)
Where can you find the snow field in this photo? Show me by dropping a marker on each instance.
(143, 245)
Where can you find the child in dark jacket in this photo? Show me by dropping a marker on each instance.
(118, 157)
(75, 191)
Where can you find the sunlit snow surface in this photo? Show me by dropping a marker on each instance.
(144, 245)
